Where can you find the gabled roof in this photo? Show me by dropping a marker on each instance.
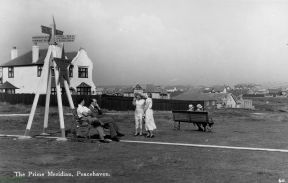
(26, 59)
(7, 85)
(82, 85)
(218, 88)
(138, 87)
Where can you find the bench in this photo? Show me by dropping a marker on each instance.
(79, 126)
(200, 118)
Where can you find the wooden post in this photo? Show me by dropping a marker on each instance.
(37, 94)
(59, 101)
(47, 102)
(68, 93)
(32, 113)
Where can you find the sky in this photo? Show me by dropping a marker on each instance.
(164, 42)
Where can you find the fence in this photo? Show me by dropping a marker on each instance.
(106, 102)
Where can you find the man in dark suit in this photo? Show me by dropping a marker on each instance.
(107, 121)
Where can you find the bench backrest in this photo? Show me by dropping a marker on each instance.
(190, 116)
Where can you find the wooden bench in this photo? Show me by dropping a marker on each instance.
(79, 127)
(194, 117)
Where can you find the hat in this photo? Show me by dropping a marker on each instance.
(199, 106)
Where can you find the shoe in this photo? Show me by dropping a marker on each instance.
(120, 134)
(151, 136)
(136, 134)
(104, 141)
(115, 139)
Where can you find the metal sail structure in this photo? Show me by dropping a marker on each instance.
(55, 57)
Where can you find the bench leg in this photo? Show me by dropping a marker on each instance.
(179, 125)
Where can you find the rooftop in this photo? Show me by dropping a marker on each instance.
(26, 59)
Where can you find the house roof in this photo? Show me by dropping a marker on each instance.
(82, 85)
(218, 88)
(194, 95)
(7, 85)
(138, 87)
(238, 92)
(26, 59)
(275, 91)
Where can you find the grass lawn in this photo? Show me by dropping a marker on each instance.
(133, 162)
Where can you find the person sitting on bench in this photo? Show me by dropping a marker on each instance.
(190, 107)
(107, 121)
(199, 108)
(85, 115)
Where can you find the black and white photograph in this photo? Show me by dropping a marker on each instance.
(180, 91)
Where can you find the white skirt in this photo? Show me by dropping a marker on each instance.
(149, 120)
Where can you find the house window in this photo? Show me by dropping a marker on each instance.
(52, 71)
(10, 91)
(53, 90)
(71, 71)
(39, 70)
(83, 72)
(10, 72)
(1, 75)
(84, 90)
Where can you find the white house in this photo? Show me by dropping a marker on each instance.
(23, 72)
(244, 103)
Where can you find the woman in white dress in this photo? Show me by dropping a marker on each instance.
(139, 102)
(149, 119)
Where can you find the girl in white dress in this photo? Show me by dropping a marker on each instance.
(149, 119)
(139, 113)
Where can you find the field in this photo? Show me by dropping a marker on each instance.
(265, 127)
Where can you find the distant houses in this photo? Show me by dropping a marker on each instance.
(217, 89)
(216, 100)
(22, 73)
(276, 92)
(156, 91)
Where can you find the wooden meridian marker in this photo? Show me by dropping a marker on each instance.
(55, 56)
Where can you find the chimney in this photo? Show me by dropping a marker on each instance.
(35, 53)
(14, 53)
